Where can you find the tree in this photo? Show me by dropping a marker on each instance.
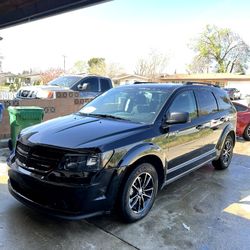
(50, 74)
(222, 49)
(153, 65)
(199, 65)
(79, 67)
(13, 87)
(97, 65)
(113, 69)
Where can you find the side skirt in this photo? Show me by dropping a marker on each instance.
(172, 176)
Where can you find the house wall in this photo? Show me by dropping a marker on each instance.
(131, 80)
(65, 103)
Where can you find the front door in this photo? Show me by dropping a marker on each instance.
(185, 142)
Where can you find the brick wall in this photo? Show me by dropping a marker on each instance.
(64, 104)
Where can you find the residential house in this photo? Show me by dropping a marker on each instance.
(128, 79)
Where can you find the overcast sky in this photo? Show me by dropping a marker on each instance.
(120, 31)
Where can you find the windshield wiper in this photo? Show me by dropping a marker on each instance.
(110, 116)
(105, 116)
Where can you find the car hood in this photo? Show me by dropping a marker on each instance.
(83, 132)
(44, 87)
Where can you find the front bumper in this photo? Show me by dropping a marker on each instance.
(61, 200)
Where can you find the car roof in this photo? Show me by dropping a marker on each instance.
(170, 86)
(82, 75)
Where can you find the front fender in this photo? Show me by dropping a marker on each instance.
(140, 151)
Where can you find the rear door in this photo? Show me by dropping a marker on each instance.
(210, 119)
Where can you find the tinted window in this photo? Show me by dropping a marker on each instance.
(137, 104)
(105, 84)
(92, 84)
(223, 100)
(185, 102)
(239, 108)
(206, 102)
(64, 81)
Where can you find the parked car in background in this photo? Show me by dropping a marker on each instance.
(89, 86)
(121, 148)
(243, 120)
(233, 93)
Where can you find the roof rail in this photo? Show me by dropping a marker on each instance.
(202, 83)
(144, 82)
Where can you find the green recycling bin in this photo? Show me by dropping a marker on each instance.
(23, 117)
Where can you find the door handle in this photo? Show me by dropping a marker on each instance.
(223, 119)
(199, 127)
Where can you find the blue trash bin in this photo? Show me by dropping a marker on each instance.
(1, 111)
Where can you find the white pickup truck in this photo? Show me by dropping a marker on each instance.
(89, 86)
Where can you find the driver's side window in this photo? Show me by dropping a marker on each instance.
(92, 84)
(185, 102)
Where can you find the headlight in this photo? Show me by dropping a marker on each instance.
(43, 94)
(85, 162)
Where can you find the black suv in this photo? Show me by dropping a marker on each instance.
(121, 149)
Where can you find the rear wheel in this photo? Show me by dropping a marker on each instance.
(246, 134)
(226, 154)
(139, 192)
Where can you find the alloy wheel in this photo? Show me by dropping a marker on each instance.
(227, 152)
(141, 192)
(248, 131)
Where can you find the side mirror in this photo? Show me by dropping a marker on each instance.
(82, 86)
(176, 118)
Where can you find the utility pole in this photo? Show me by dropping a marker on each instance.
(64, 63)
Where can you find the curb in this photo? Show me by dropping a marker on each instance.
(4, 143)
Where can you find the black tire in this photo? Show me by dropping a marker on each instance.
(139, 192)
(226, 154)
(246, 134)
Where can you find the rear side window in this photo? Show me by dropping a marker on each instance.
(206, 102)
(105, 84)
(185, 102)
(223, 100)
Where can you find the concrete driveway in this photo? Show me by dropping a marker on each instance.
(207, 209)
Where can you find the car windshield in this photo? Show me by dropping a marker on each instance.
(64, 81)
(136, 104)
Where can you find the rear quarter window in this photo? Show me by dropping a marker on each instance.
(223, 100)
(206, 102)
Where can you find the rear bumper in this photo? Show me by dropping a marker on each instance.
(68, 202)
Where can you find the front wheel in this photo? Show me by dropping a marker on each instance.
(226, 154)
(139, 192)
(246, 134)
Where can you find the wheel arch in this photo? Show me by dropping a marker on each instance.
(147, 152)
(229, 130)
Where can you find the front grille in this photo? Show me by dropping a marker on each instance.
(37, 159)
(26, 94)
